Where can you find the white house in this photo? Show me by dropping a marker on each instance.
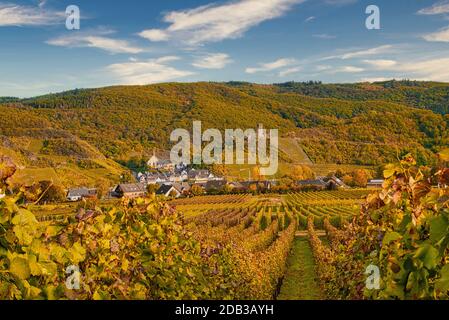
(152, 163)
(157, 163)
(168, 191)
(375, 184)
(81, 193)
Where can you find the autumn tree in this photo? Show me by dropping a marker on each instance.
(197, 190)
(360, 178)
(152, 188)
(302, 172)
(219, 170)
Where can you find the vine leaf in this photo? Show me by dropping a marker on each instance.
(443, 282)
(20, 268)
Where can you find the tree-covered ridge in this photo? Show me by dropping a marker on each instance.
(125, 121)
(8, 99)
(426, 95)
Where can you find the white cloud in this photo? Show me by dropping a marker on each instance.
(310, 19)
(349, 69)
(155, 35)
(42, 3)
(439, 36)
(374, 79)
(324, 36)
(343, 69)
(18, 15)
(340, 2)
(437, 8)
(289, 71)
(362, 53)
(381, 63)
(95, 39)
(263, 67)
(323, 67)
(430, 69)
(147, 71)
(213, 61)
(212, 23)
(368, 52)
(436, 69)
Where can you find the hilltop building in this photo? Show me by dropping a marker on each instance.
(161, 164)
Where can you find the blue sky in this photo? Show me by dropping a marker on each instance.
(264, 41)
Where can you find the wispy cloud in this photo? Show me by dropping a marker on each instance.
(147, 71)
(264, 67)
(438, 8)
(322, 67)
(362, 53)
(340, 2)
(436, 69)
(212, 61)
(324, 36)
(381, 63)
(212, 23)
(18, 15)
(42, 3)
(155, 35)
(96, 39)
(310, 19)
(289, 71)
(439, 36)
(374, 79)
(348, 69)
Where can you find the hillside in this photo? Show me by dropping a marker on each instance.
(43, 152)
(85, 130)
(425, 95)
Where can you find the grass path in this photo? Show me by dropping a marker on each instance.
(300, 282)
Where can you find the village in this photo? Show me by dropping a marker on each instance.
(169, 180)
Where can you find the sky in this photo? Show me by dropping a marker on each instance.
(138, 42)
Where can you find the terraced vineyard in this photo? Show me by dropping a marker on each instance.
(265, 227)
(254, 247)
(338, 206)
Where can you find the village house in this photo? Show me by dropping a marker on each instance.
(160, 164)
(375, 184)
(237, 186)
(215, 186)
(334, 183)
(201, 176)
(153, 178)
(130, 190)
(168, 191)
(183, 187)
(176, 178)
(77, 194)
(260, 185)
(318, 184)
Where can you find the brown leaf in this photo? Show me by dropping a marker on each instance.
(397, 197)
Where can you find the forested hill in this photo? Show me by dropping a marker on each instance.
(8, 99)
(426, 95)
(348, 124)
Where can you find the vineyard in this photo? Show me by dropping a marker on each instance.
(261, 227)
(305, 245)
